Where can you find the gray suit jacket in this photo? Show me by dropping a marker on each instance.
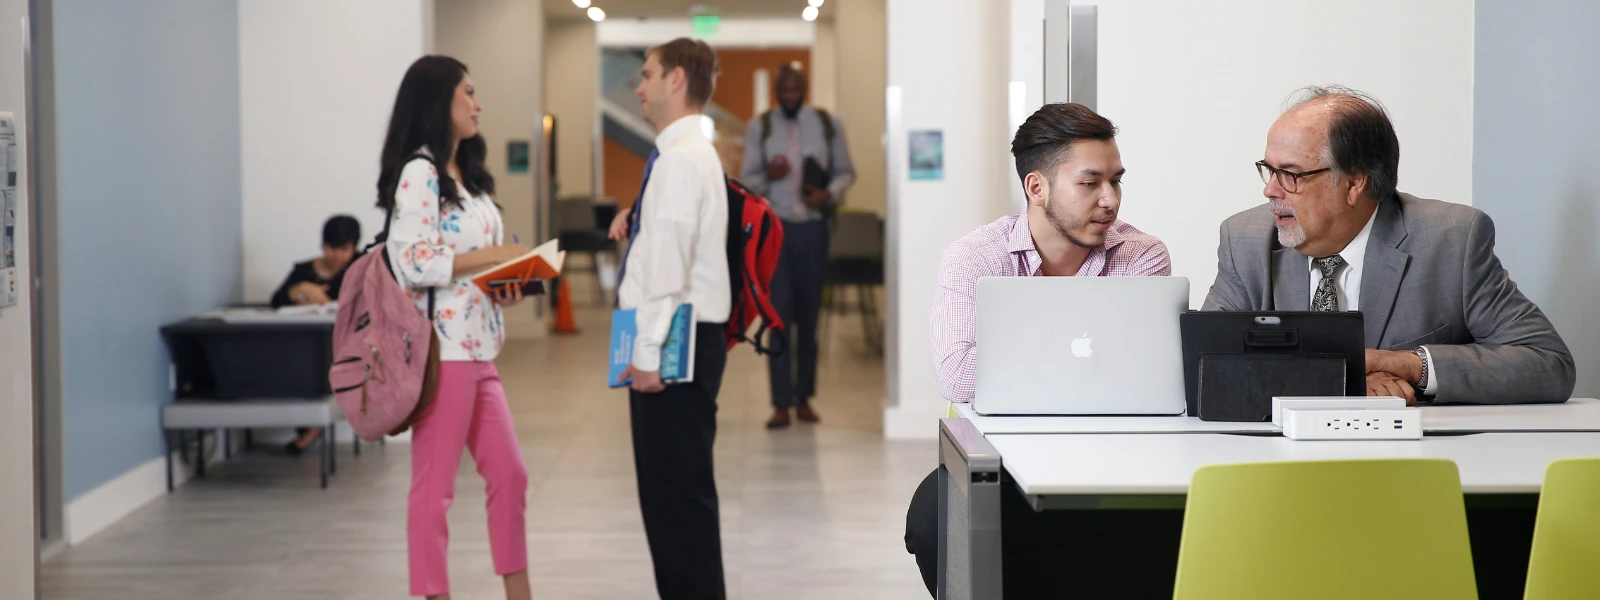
(1430, 278)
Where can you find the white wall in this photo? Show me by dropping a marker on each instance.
(17, 558)
(824, 67)
(502, 43)
(317, 83)
(860, 51)
(571, 93)
(959, 88)
(1194, 86)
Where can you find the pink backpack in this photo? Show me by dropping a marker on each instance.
(386, 356)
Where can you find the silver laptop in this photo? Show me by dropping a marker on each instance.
(1080, 345)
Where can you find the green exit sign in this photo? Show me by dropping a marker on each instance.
(705, 26)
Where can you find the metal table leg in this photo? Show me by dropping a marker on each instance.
(166, 438)
(325, 460)
(333, 452)
(200, 453)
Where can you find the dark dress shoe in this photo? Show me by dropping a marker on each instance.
(780, 419)
(805, 413)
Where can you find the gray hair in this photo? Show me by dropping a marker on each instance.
(1360, 137)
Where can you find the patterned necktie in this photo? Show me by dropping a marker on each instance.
(633, 217)
(1327, 296)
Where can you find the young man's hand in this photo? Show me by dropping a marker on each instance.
(619, 225)
(648, 382)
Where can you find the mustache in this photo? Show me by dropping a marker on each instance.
(1283, 210)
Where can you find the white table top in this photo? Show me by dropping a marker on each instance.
(1135, 464)
(1578, 414)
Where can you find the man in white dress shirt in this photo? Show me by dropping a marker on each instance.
(678, 254)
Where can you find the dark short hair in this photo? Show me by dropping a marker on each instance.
(1360, 137)
(1043, 141)
(422, 120)
(699, 65)
(340, 231)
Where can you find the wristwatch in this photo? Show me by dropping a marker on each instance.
(1422, 382)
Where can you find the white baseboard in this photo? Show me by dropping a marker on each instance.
(103, 506)
(913, 422)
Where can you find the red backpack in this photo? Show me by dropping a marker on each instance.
(755, 237)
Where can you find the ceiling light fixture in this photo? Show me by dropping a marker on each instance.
(809, 14)
(596, 15)
(582, 3)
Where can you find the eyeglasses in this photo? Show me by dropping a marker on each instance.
(1288, 180)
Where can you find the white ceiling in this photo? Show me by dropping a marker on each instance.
(682, 9)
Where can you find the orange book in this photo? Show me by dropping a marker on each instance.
(529, 271)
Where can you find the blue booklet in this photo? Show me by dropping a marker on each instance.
(677, 353)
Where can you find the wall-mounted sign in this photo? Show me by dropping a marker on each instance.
(926, 152)
(517, 156)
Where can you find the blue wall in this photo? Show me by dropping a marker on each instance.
(147, 99)
(1536, 158)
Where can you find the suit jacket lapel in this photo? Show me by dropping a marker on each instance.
(1385, 267)
(1291, 280)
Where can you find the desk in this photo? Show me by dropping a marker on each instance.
(1147, 462)
(1577, 414)
(240, 353)
(250, 367)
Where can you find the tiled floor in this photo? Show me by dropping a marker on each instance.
(815, 511)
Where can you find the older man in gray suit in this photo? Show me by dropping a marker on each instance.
(1443, 320)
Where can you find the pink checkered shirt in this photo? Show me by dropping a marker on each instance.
(1005, 248)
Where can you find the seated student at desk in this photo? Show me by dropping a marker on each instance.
(317, 281)
(1071, 171)
(1444, 322)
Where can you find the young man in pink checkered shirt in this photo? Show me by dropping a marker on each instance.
(1072, 174)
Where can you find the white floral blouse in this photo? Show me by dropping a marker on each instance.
(423, 243)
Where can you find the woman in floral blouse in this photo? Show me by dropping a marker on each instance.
(444, 227)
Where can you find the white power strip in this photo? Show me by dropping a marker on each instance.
(1279, 403)
(1352, 423)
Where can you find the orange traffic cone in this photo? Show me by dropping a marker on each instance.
(564, 321)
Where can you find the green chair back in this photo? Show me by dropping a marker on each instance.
(1565, 562)
(1326, 530)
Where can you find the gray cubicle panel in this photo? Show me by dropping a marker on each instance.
(969, 500)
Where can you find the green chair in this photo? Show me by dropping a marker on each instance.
(1565, 562)
(1334, 530)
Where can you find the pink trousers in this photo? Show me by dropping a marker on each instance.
(469, 412)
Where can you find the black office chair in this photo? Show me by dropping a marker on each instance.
(582, 225)
(855, 263)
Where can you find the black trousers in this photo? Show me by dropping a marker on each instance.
(673, 432)
(1132, 554)
(797, 296)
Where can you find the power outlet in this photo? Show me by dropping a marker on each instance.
(1352, 424)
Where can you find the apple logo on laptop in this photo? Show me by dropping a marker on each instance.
(1080, 346)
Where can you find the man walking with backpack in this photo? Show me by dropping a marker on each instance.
(678, 232)
(795, 156)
